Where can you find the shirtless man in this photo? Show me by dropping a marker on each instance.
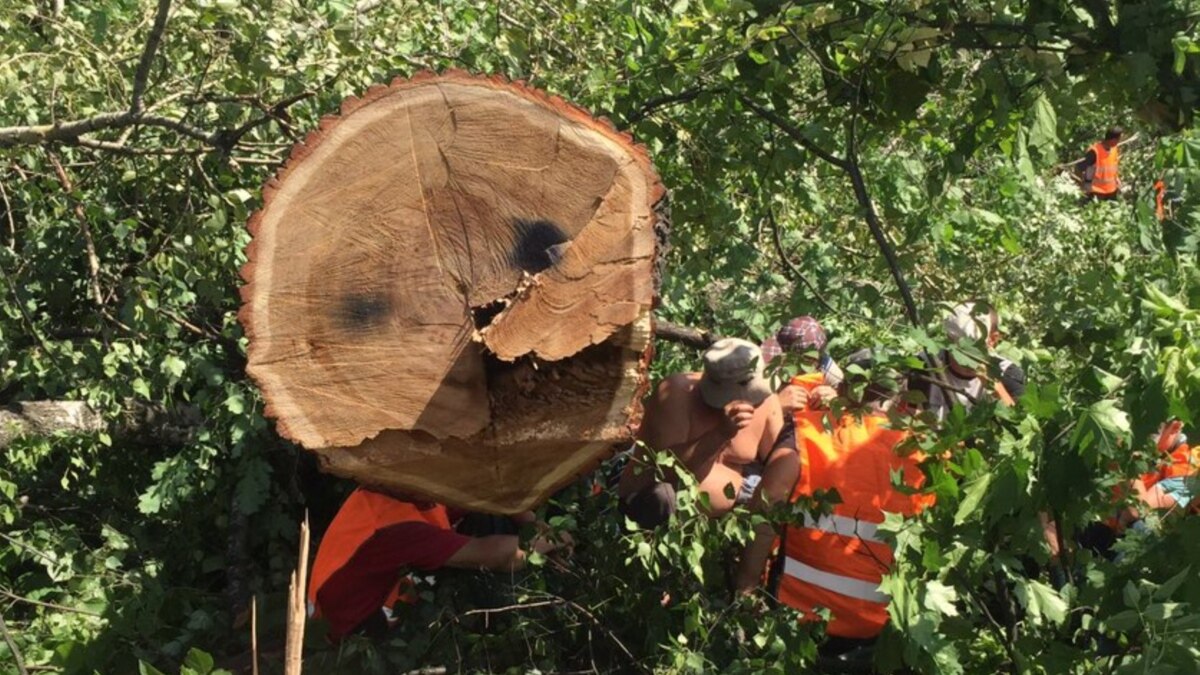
(721, 424)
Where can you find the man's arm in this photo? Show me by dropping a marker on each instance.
(497, 552)
(663, 423)
(1087, 168)
(778, 480)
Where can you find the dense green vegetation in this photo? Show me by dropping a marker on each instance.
(807, 144)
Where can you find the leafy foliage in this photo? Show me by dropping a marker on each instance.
(946, 124)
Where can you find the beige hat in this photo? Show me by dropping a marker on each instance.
(964, 323)
(733, 371)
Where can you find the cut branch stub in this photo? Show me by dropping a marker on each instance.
(435, 260)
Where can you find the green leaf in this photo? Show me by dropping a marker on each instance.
(1168, 587)
(940, 598)
(199, 661)
(971, 500)
(1101, 429)
(147, 669)
(1041, 601)
(1043, 130)
(173, 366)
(1131, 595)
(1123, 621)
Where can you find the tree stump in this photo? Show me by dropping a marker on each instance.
(449, 287)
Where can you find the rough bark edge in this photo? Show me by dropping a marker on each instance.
(300, 151)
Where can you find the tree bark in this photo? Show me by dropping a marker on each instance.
(139, 422)
(449, 290)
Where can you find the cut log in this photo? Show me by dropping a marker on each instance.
(449, 290)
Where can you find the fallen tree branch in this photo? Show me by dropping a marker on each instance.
(138, 421)
(69, 132)
(881, 240)
(795, 133)
(849, 165)
(684, 335)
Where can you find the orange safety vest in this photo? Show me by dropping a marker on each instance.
(364, 514)
(1182, 462)
(808, 381)
(837, 561)
(1104, 182)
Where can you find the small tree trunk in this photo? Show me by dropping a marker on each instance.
(449, 290)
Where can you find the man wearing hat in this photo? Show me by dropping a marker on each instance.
(963, 383)
(802, 342)
(716, 423)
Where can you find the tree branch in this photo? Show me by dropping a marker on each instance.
(684, 335)
(138, 421)
(152, 42)
(48, 605)
(850, 166)
(789, 267)
(85, 229)
(649, 107)
(12, 647)
(795, 133)
(881, 240)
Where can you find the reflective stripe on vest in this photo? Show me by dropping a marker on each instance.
(850, 587)
(362, 515)
(1104, 182)
(837, 561)
(844, 526)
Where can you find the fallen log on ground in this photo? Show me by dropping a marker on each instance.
(137, 422)
(449, 288)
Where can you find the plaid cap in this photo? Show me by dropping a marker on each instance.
(801, 334)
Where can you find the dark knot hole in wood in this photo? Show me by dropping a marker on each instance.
(539, 245)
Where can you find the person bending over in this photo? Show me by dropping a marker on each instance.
(375, 541)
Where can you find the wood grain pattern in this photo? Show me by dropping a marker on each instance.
(420, 254)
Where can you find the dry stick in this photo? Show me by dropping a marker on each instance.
(254, 634)
(12, 647)
(86, 229)
(294, 650)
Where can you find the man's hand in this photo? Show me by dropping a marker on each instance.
(820, 396)
(792, 398)
(737, 417)
(547, 542)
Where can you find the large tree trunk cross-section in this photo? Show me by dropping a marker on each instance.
(449, 290)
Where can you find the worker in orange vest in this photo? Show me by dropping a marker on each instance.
(1168, 489)
(1099, 168)
(1169, 486)
(375, 541)
(837, 560)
